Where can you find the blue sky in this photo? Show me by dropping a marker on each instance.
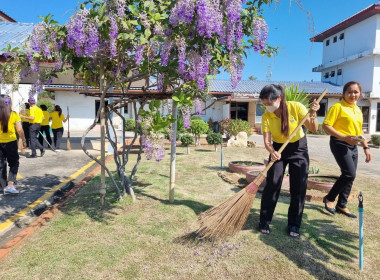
(289, 29)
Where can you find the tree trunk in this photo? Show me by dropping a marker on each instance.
(188, 149)
(102, 139)
(216, 148)
(173, 155)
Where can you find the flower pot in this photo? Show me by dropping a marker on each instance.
(321, 182)
(251, 176)
(243, 167)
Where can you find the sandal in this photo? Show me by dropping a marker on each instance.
(294, 231)
(264, 229)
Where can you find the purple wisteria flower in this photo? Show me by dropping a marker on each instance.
(185, 110)
(260, 34)
(154, 147)
(198, 106)
(120, 6)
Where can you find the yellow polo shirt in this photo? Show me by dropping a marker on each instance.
(27, 113)
(271, 123)
(6, 137)
(345, 118)
(56, 120)
(46, 118)
(36, 112)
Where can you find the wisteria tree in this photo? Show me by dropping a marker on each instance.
(172, 46)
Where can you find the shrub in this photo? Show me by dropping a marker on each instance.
(238, 125)
(375, 140)
(187, 139)
(130, 124)
(214, 138)
(320, 131)
(198, 127)
(223, 127)
(47, 103)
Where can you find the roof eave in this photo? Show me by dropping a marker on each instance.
(366, 13)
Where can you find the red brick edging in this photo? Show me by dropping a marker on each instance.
(45, 216)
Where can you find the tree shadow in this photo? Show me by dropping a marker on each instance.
(322, 240)
(204, 150)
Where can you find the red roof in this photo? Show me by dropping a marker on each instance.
(358, 17)
(6, 17)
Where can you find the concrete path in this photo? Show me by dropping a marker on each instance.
(319, 149)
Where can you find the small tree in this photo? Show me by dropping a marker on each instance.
(186, 141)
(214, 139)
(130, 124)
(198, 127)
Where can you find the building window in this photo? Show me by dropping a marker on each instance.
(327, 42)
(326, 75)
(341, 36)
(332, 74)
(339, 72)
(335, 39)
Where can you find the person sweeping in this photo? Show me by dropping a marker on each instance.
(278, 122)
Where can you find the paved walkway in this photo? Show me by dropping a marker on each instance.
(319, 149)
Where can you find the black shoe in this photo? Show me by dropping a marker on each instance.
(329, 209)
(294, 231)
(347, 213)
(32, 156)
(264, 229)
(42, 153)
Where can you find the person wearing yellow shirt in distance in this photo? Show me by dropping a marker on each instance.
(57, 126)
(279, 120)
(36, 117)
(25, 124)
(45, 127)
(344, 122)
(10, 122)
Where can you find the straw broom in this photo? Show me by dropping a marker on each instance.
(228, 217)
(68, 144)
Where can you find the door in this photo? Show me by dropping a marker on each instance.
(365, 111)
(239, 110)
(97, 105)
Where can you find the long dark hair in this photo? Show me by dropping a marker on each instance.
(272, 92)
(58, 109)
(5, 111)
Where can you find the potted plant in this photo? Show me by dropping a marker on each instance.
(243, 167)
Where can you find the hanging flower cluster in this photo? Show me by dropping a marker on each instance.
(198, 106)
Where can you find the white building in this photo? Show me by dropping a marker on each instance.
(351, 52)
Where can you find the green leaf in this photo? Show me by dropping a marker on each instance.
(147, 33)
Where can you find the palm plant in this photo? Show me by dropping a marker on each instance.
(292, 93)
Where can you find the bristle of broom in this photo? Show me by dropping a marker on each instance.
(226, 218)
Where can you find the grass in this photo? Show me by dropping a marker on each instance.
(151, 239)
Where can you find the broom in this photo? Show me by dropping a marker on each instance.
(68, 144)
(228, 217)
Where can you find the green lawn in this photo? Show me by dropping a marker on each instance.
(147, 239)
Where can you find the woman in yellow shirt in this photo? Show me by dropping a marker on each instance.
(344, 122)
(57, 126)
(45, 127)
(10, 122)
(278, 122)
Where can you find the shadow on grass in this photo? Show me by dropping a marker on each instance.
(322, 240)
(204, 150)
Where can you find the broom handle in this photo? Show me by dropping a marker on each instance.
(258, 180)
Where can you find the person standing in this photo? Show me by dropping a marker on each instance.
(45, 127)
(279, 120)
(25, 124)
(10, 122)
(36, 117)
(344, 122)
(57, 118)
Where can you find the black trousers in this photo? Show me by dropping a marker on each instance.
(296, 156)
(46, 129)
(25, 127)
(347, 158)
(34, 144)
(57, 133)
(8, 153)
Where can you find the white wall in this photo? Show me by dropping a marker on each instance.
(18, 97)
